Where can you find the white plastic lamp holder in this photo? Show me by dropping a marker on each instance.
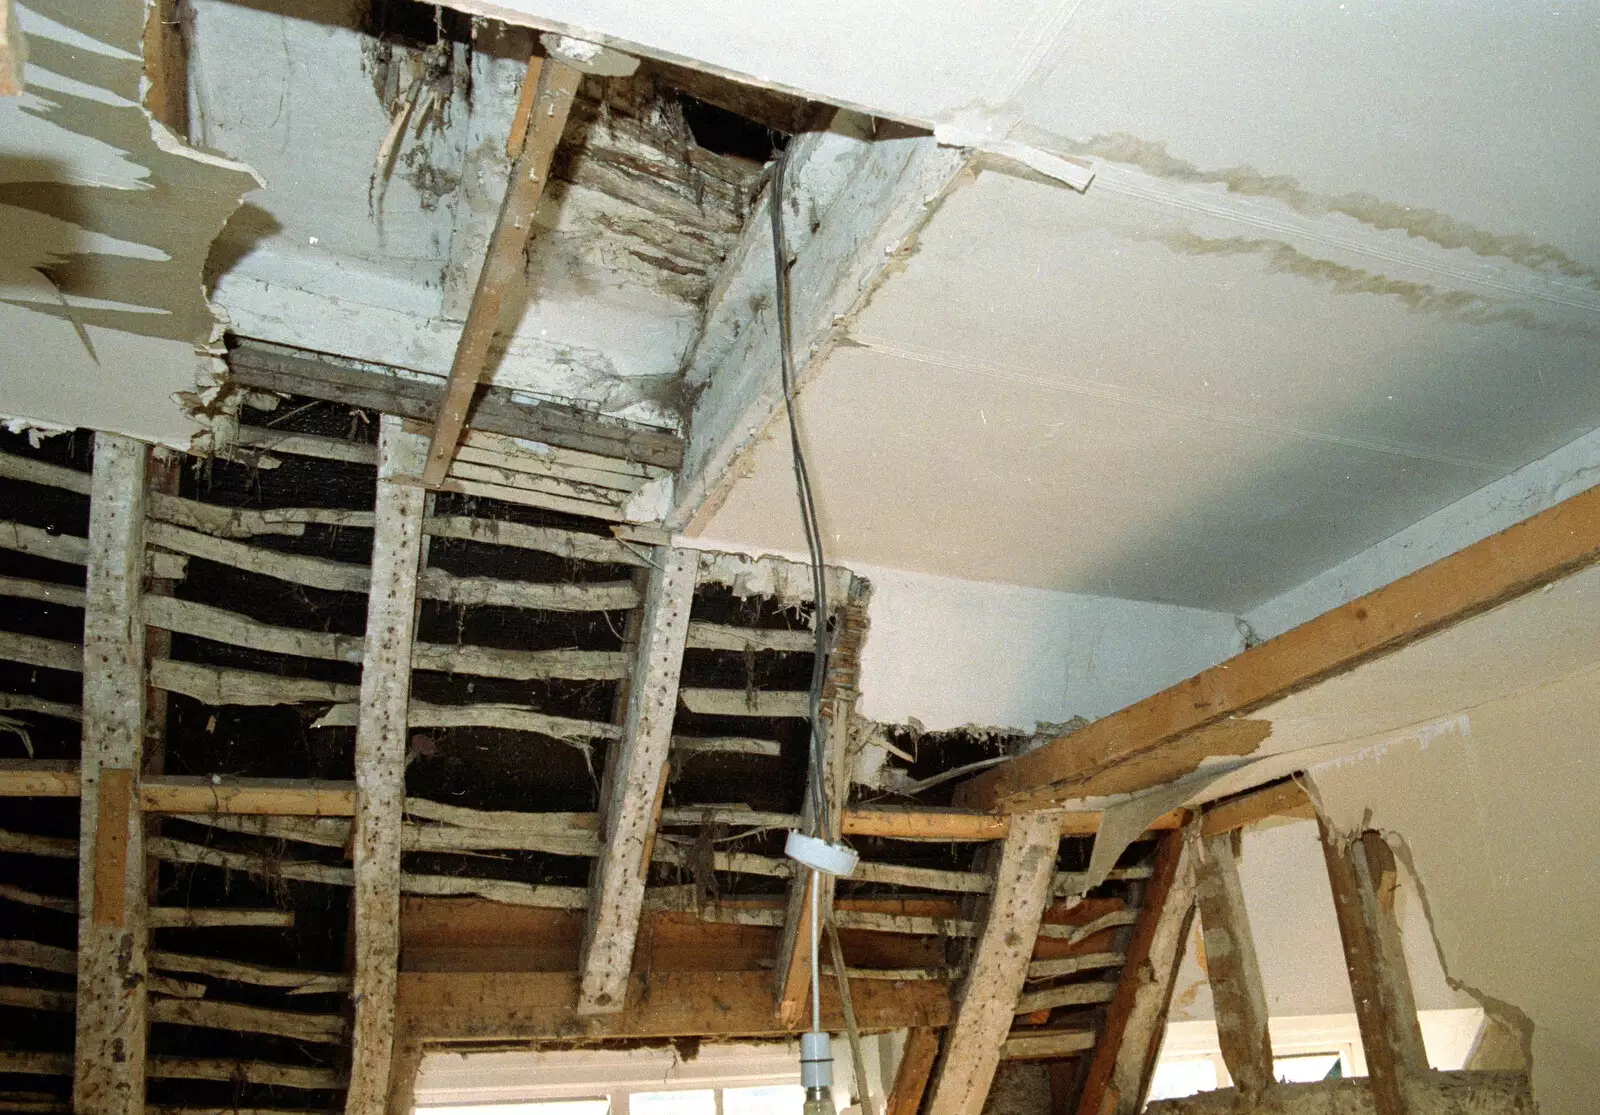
(819, 855)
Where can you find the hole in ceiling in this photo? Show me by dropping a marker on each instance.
(414, 24)
(727, 133)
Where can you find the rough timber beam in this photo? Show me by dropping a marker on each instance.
(1167, 735)
(792, 969)
(634, 773)
(1361, 871)
(870, 197)
(1232, 968)
(503, 262)
(999, 965)
(109, 1063)
(381, 764)
(1125, 1056)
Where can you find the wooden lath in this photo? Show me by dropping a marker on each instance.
(635, 778)
(380, 761)
(1168, 735)
(557, 83)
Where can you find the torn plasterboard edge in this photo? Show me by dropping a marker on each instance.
(1072, 172)
(1488, 825)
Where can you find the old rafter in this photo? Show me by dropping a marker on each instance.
(999, 966)
(1169, 734)
(109, 1063)
(381, 738)
(1125, 1056)
(634, 775)
(503, 262)
(1232, 968)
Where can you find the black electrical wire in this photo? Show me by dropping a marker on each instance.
(808, 509)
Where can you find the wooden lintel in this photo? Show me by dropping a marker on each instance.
(380, 762)
(999, 967)
(388, 391)
(541, 1006)
(634, 780)
(109, 1061)
(1232, 968)
(1124, 1058)
(1155, 740)
(503, 262)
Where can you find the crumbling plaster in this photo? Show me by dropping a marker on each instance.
(1493, 823)
(105, 222)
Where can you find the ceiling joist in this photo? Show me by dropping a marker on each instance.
(557, 83)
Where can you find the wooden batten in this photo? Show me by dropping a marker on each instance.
(380, 760)
(109, 1060)
(999, 966)
(634, 777)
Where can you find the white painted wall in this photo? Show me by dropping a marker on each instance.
(1573, 468)
(952, 653)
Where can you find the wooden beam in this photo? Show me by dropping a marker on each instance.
(1281, 799)
(999, 965)
(109, 1060)
(634, 776)
(541, 1006)
(1232, 968)
(380, 761)
(1169, 734)
(503, 263)
(1385, 1009)
(1124, 1058)
(390, 391)
(916, 1067)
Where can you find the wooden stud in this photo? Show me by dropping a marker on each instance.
(1232, 968)
(916, 1066)
(634, 772)
(1118, 1075)
(1379, 983)
(1169, 734)
(999, 965)
(503, 263)
(109, 1060)
(381, 739)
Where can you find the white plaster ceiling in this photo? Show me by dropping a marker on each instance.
(1340, 266)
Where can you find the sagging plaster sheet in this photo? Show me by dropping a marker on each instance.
(106, 222)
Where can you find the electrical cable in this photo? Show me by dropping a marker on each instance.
(808, 509)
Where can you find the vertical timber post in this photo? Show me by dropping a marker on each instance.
(109, 1061)
(1233, 969)
(381, 762)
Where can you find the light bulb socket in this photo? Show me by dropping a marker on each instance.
(816, 1060)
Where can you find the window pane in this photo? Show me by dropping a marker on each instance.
(552, 1107)
(1176, 1079)
(699, 1101)
(770, 1099)
(1306, 1069)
